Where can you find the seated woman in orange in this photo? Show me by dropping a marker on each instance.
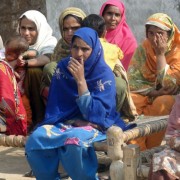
(154, 73)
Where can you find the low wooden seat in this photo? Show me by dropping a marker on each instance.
(124, 157)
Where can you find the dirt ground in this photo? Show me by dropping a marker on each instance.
(13, 164)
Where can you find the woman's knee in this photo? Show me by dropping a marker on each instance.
(162, 105)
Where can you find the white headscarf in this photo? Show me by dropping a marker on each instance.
(45, 42)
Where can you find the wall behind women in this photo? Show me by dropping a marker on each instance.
(137, 11)
(10, 10)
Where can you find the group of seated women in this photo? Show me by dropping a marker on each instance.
(94, 77)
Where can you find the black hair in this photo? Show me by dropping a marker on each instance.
(17, 43)
(95, 22)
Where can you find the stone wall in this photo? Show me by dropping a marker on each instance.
(137, 11)
(10, 10)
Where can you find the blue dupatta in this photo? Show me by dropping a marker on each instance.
(62, 101)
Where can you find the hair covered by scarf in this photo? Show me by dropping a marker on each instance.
(63, 93)
(70, 11)
(45, 42)
(62, 48)
(142, 73)
(122, 35)
(164, 22)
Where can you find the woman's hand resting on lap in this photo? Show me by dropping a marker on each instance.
(164, 91)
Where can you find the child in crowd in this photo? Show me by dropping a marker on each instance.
(16, 50)
(13, 116)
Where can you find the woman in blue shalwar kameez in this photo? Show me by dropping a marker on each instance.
(81, 106)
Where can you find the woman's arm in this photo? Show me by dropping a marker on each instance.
(160, 48)
(39, 61)
(92, 106)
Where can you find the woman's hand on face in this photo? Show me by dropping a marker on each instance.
(160, 44)
(76, 68)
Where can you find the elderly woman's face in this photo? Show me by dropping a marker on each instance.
(154, 31)
(28, 30)
(70, 25)
(112, 16)
(80, 50)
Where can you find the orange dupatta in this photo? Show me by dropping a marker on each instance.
(142, 72)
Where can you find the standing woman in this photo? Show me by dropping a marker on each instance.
(154, 72)
(118, 31)
(69, 21)
(81, 106)
(34, 27)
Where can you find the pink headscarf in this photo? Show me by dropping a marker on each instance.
(122, 35)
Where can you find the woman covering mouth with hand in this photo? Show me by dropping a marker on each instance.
(80, 108)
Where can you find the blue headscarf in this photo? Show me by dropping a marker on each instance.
(63, 94)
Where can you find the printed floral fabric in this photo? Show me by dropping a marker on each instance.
(12, 112)
(169, 159)
(53, 136)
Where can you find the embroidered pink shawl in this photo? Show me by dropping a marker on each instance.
(122, 35)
